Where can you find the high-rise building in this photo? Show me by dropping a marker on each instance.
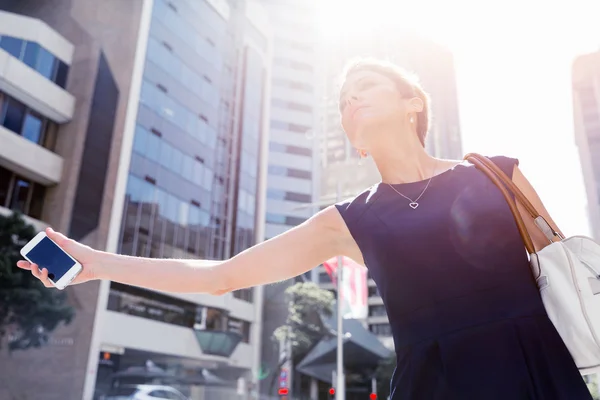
(168, 103)
(294, 115)
(586, 107)
(293, 171)
(66, 80)
(343, 175)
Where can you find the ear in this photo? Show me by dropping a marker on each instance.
(416, 104)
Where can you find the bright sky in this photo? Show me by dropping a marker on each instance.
(513, 61)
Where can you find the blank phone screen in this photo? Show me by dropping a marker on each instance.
(46, 254)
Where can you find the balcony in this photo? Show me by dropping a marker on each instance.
(28, 86)
(123, 330)
(28, 159)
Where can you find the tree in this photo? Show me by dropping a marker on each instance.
(29, 312)
(304, 327)
(592, 383)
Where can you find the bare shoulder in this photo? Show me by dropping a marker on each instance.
(331, 225)
(519, 179)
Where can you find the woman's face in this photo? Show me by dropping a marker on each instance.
(368, 102)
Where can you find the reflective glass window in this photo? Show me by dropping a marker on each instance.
(31, 54)
(32, 127)
(165, 155)
(62, 72)
(153, 147)
(20, 193)
(46, 63)
(14, 114)
(140, 140)
(12, 46)
(188, 167)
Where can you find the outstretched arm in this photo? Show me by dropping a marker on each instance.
(287, 255)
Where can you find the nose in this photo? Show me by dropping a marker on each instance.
(351, 99)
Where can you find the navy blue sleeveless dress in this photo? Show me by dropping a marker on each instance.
(466, 315)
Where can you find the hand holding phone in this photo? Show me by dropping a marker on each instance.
(56, 260)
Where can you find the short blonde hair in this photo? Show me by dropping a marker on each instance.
(407, 84)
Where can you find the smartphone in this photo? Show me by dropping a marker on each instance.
(62, 268)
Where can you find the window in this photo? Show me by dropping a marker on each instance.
(33, 127)
(13, 115)
(282, 148)
(298, 197)
(283, 220)
(151, 305)
(241, 327)
(289, 127)
(293, 85)
(38, 58)
(377, 311)
(12, 46)
(298, 128)
(31, 54)
(302, 151)
(293, 221)
(16, 117)
(275, 218)
(46, 64)
(291, 172)
(244, 294)
(381, 329)
(277, 170)
(324, 277)
(275, 194)
(279, 125)
(297, 173)
(5, 182)
(291, 196)
(290, 105)
(215, 319)
(373, 292)
(62, 70)
(20, 194)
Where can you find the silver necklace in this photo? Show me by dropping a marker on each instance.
(415, 203)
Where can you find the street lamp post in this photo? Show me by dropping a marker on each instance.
(341, 381)
(339, 378)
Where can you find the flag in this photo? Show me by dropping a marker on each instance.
(354, 286)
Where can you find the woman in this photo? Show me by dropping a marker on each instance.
(439, 241)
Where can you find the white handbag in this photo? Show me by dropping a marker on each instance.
(567, 272)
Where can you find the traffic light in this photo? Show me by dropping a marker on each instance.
(373, 396)
(283, 391)
(331, 394)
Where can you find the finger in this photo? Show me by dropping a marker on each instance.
(57, 237)
(44, 278)
(24, 265)
(35, 271)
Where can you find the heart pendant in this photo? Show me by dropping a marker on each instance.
(413, 205)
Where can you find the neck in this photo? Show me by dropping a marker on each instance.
(405, 160)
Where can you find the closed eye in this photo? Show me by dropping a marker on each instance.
(365, 85)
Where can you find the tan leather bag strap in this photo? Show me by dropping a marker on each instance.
(476, 159)
(551, 233)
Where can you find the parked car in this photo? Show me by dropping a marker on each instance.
(144, 392)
